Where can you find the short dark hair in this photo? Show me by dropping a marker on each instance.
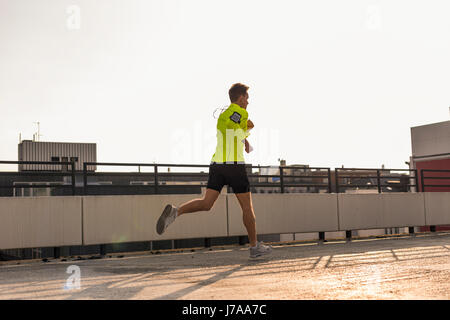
(237, 90)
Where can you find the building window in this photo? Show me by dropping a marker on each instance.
(74, 159)
(65, 167)
(55, 159)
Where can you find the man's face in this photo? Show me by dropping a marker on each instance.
(243, 101)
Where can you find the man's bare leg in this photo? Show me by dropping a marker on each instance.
(204, 204)
(245, 200)
(170, 212)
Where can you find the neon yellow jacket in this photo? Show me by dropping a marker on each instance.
(231, 132)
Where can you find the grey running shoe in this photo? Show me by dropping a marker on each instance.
(167, 217)
(260, 250)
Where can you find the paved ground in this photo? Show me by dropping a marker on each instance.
(408, 267)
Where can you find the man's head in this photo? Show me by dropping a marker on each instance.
(238, 94)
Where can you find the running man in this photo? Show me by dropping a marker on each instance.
(227, 168)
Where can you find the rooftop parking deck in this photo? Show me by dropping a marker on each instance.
(401, 267)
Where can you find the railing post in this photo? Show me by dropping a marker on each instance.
(242, 240)
(348, 235)
(322, 236)
(103, 249)
(378, 181)
(73, 176)
(422, 180)
(329, 180)
(56, 252)
(416, 179)
(156, 179)
(281, 180)
(84, 178)
(336, 176)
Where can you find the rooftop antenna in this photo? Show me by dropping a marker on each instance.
(38, 133)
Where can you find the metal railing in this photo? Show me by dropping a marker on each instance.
(156, 175)
(283, 179)
(281, 182)
(440, 177)
(379, 179)
(40, 184)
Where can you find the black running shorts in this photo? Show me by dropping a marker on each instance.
(233, 175)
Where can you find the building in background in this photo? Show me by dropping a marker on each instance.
(31, 179)
(430, 146)
(297, 178)
(56, 152)
(431, 150)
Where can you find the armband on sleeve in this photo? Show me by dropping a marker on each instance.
(236, 117)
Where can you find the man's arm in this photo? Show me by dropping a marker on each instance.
(248, 147)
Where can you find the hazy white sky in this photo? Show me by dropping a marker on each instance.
(332, 83)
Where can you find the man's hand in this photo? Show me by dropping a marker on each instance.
(248, 147)
(250, 124)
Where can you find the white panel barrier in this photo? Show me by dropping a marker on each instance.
(64, 221)
(113, 219)
(385, 210)
(437, 206)
(40, 222)
(286, 213)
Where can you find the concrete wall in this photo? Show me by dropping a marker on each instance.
(437, 207)
(372, 211)
(284, 213)
(40, 222)
(63, 221)
(112, 219)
